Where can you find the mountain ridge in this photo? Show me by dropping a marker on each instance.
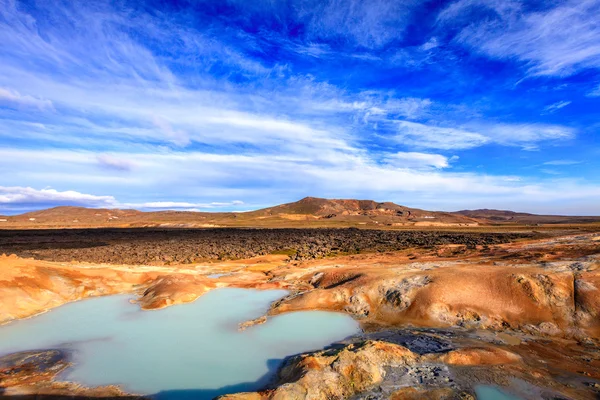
(308, 211)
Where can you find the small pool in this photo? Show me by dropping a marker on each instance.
(484, 392)
(189, 351)
(216, 276)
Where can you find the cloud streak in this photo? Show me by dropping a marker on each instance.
(17, 198)
(435, 137)
(557, 41)
(448, 138)
(22, 197)
(418, 160)
(12, 98)
(554, 107)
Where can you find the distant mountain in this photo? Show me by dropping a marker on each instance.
(74, 212)
(321, 207)
(368, 210)
(505, 216)
(307, 212)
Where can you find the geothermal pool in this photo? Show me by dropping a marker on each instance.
(484, 392)
(190, 351)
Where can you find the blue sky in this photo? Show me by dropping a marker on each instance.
(234, 105)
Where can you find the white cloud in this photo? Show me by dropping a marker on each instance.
(562, 162)
(527, 136)
(12, 98)
(177, 136)
(316, 50)
(27, 196)
(111, 162)
(174, 205)
(408, 107)
(418, 160)
(430, 44)
(549, 171)
(556, 106)
(434, 137)
(371, 106)
(595, 92)
(556, 41)
(370, 24)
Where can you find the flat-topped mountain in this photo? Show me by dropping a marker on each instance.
(309, 211)
(359, 210)
(324, 207)
(506, 216)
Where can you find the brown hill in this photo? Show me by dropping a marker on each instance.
(319, 206)
(307, 212)
(323, 207)
(361, 211)
(505, 216)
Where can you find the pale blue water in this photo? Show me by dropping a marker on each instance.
(215, 276)
(484, 392)
(186, 351)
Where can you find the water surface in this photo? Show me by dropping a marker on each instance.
(485, 392)
(187, 351)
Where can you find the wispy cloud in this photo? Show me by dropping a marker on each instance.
(527, 136)
(555, 41)
(562, 162)
(12, 98)
(369, 24)
(430, 44)
(595, 92)
(555, 106)
(435, 137)
(418, 160)
(17, 197)
(111, 162)
(179, 205)
(550, 171)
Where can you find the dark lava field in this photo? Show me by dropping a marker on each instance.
(182, 246)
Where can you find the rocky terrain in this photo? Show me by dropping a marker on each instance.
(185, 246)
(32, 375)
(439, 317)
(437, 364)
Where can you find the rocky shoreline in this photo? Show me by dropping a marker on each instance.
(398, 363)
(434, 364)
(35, 375)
